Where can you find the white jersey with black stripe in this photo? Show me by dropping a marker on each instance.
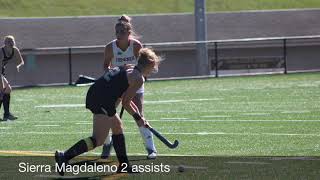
(121, 58)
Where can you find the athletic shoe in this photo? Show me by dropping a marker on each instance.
(60, 159)
(106, 150)
(152, 155)
(9, 117)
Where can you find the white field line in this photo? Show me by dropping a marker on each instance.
(189, 167)
(181, 100)
(175, 133)
(46, 125)
(5, 127)
(60, 106)
(255, 114)
(144, 154)
(216, 116)
(174, 118)
(295, 112)
(213, 111)
(51, 153)
(246, 162)
(294, 158)
(8, 121)
(84, 123)
(89, 121)
(206, 120)
(164, 92)
(145, 102)
(231, 120)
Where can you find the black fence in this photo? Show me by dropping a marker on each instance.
(62, 65)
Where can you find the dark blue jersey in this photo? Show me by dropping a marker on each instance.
(6, 59)
(107, 90)
(116, 81)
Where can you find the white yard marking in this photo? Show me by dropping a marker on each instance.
(181, 100)
(243, 162)
(189, 167)
(166, 92)
(60, 106)
(176, 133)
(5, 127)
(25, 100)
(210, 121)
(84, 123)
(47, 125)
(174, 118)
(61, 123)
(51, 153)
(294, 158)
(255, 114)
(216, 116)
(231, 120)
(231, 110)
(145, 102)
(295, 112)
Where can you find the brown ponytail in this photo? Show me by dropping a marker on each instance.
(125, 18)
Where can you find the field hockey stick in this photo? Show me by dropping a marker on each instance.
(121, 112)
(163, 139)
(83, 80)
(159, 136)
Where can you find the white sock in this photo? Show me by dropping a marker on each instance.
(108, 140)
(148, 139)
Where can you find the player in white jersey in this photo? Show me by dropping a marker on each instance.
(124, 51)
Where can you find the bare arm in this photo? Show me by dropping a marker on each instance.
(136, 48)
(1, 55)
(20, 61)
(2, 86)
(108, 55)
(134, 84)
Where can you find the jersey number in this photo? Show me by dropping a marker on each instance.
(111, 73)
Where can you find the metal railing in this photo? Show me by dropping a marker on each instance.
(216, 45)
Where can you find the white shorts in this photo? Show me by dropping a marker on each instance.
(141, 90)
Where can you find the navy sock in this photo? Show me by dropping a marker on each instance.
(120, 148)
(6, 104)
(82, 146)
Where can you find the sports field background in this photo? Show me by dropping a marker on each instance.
(45, 8)
(269, 115)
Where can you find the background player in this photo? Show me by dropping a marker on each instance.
(123, 51)
(9, 52)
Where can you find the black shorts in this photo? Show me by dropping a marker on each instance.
(98, 99)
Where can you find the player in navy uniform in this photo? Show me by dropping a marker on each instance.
(9, 52)
(101, 99)
(124, 51)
